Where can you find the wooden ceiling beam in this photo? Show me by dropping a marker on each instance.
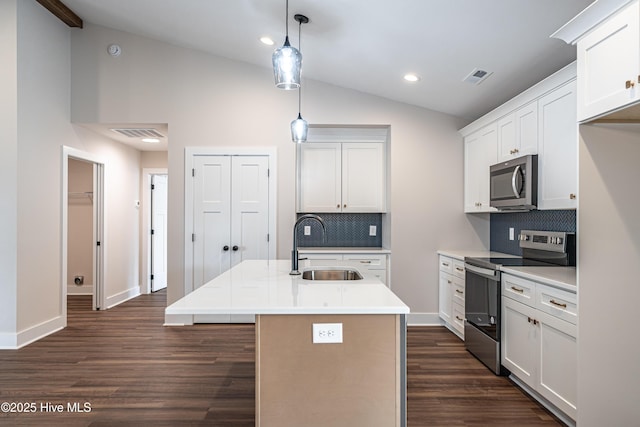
(62, 12)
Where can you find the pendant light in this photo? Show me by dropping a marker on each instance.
(299, 127)
(287, 61)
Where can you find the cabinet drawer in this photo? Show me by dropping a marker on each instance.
(457, 317)
(457, 291)
(367, 261)
(519, 289)
(558, 303)
(446, 264)
(458, 268)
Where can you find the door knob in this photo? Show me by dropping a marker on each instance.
(235, 248)
(225, 248)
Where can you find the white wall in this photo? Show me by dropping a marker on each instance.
(212, 101)
(608, 277)
(8, 171)
(43, 126)
(35, 124)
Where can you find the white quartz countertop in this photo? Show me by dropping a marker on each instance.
(265, 287)
(342, 250)
(559, 277)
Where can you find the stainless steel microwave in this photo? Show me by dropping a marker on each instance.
(514, 184)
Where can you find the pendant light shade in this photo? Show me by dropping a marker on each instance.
(287, 62)
(299, 129)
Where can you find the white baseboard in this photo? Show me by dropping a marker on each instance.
(121, 297)
(424, 319)
(85, 289)
(9, 341)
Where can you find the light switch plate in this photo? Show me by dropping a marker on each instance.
(373, 230)
(307, 230)
(511, 234)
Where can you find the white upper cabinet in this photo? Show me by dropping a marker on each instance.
(609, 64)
(341, 177)
(518, 133)
(541, 120)
(558, 149)
(480, 152)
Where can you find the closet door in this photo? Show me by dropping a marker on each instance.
(249, 208)
(212, 217)
(230, 213)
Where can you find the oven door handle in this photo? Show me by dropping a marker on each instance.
(484, 272)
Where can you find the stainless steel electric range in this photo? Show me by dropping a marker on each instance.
(483, 289)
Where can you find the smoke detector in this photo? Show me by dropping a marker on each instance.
(477, 76)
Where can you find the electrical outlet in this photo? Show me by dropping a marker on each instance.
(307, 230)
(373, 230)
(511, 234)
(327, 333)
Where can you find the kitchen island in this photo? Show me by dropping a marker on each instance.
(360, 380)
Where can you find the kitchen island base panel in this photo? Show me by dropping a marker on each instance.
(356, 382)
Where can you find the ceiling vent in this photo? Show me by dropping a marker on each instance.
(139, 132)
(477, 76)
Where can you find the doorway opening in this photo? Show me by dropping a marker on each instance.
(154, 229)
(82, 227)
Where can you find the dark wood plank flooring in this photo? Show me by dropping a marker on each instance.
(132, 371)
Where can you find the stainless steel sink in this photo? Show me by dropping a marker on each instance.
(326, 274)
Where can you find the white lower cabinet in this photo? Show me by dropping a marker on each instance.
(451, 294)
(539, 340)
(370, 265)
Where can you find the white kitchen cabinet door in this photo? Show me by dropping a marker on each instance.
(342, 177)
(520, 341)
(231, 218)
(518, 133)
(444, 297)
(363, 177)
(608, 63)
(558, 149)
(558, 372)
(320, 177)
(480, 152)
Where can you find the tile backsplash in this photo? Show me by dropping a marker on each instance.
(343, 229)
(558, 220)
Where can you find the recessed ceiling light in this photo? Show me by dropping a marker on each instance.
(267, 40)
(411, 77)
(151, 140)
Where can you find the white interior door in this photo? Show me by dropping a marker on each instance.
(230, 213)
(250, 208)
(212, 217)
(158, 232)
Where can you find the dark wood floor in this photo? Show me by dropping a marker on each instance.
(132, 371)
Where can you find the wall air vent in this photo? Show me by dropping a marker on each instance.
(477, 76)
(139, 132)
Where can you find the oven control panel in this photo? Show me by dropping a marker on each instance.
(555, 241)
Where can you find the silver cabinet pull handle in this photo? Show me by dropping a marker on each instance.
(558, 304)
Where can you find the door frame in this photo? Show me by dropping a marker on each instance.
(146, 225)
(99, 208)
(189, 154)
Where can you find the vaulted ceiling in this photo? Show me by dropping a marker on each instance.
(369, 45)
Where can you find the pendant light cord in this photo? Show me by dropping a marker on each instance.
(286, 19)
(300, 50)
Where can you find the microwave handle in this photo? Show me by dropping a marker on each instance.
(514, 185)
